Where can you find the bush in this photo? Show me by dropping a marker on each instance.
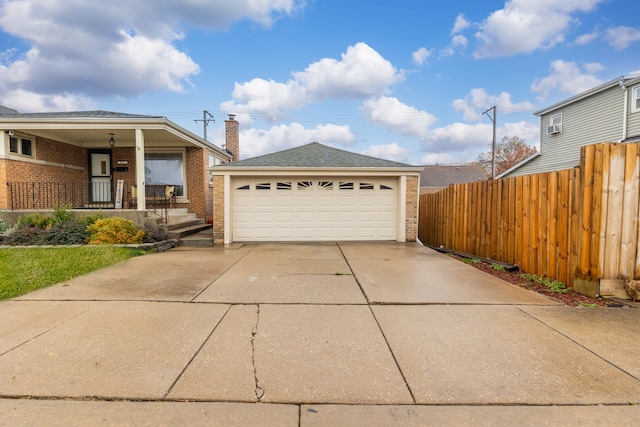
(3, 225)
(114, 230)
(63, 214)
(71, 232)
(35, 220)
(23, 236)
(87, 220)
(153, 234)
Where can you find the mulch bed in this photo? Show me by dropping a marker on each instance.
(570, 298)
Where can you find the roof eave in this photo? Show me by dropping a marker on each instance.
(305, 170)
(151, 122)
(588, 93)
(517, 165)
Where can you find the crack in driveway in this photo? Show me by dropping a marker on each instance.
(259, 390)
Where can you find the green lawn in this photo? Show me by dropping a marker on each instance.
(27, 269)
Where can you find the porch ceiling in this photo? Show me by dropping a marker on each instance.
(99, 137)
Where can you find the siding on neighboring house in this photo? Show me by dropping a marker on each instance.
(592, 120)
(633, 124)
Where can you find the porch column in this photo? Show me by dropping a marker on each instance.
(140, 169)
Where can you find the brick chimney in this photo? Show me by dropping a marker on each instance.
(232, 137)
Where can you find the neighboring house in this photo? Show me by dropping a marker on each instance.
(434, 178)
(315, 193)
(78, 159)
(607, 113)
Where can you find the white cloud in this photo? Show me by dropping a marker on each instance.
(461, 142)
(388, 151)
(459, 40)
(478, 100)
(23, 101)
(621, 37)
(440, 159)
(460, 24)
(397, 117)
(459, 136)
(421, 55)
(266, 98)
(447, 51)
(568, 77)
(87, 48)
(527, 131)
(361, 73)
(524, 26)
(255, 142)
(587, 38)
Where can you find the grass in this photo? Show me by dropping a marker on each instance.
(26, 269)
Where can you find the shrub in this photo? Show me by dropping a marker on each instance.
(3, 225)
(153, 234)
(63, 214)
(23, 236)
(35, 220)
(71, 232)
(114, 230)
(87, 220)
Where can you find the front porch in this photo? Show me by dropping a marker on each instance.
(158, 200)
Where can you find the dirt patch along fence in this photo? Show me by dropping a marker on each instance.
(579, 226)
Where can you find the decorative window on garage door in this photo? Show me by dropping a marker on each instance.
(305, 185)
(346, 185)
(367, 186)
(326, 185)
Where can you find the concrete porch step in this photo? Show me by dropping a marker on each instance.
(202, 239)
(177, 224)
(182, 232)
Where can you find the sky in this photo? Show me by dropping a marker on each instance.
(409, 81)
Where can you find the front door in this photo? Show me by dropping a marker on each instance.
(100, 185)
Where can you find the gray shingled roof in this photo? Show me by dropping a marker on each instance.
(96, 114)
(443, 176)
(316, 155)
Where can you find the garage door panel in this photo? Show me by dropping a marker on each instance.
(317, 209)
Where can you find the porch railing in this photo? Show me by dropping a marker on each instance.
(83, 195)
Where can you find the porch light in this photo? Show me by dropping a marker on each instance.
(112, 142)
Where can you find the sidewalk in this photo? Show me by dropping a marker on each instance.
(311, 334)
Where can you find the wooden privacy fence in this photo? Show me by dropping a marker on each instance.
(579, 226)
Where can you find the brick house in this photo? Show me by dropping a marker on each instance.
(104, 160)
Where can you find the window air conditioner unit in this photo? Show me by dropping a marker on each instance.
(553, 129)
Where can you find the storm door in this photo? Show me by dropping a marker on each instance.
(100, 185)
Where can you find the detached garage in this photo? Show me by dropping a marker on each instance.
(315, 193)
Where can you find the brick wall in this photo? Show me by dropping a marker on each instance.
(4, 200)
(196, 181)
(62, 163)
(411, 225)
(218, 209)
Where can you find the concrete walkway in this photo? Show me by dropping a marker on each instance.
(311, 334)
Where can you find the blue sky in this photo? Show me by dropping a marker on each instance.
(403, 80)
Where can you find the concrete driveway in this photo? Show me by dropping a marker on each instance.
(311, 334)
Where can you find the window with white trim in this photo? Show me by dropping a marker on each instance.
(635, 99)
(22, 146)
(555, 124)
(166, 168)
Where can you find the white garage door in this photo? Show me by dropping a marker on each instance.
(313, 209)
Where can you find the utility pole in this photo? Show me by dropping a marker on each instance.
(493, 144)
(206, 118)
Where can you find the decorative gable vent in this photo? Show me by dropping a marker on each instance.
(554, 129)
